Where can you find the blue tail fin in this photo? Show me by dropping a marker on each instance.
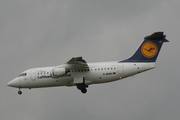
(149, 49)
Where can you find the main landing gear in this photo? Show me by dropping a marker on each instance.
(82, 87)
(19, 92)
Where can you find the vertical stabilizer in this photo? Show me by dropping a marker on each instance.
(149, 49)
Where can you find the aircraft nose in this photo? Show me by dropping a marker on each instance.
(14, 83)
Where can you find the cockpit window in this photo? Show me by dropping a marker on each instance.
(23, 74)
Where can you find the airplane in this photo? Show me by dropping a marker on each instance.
(77, 72)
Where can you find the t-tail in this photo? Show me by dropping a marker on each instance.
(149, 49)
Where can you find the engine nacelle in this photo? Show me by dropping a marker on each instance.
(58, 72)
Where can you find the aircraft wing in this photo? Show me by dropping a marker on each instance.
(77, 63)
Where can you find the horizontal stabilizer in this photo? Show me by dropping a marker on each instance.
(157, 36)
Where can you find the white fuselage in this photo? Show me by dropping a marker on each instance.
(96, 73)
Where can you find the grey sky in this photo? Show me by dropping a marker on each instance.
(37, 33)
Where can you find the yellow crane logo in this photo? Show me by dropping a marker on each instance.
(149, 49)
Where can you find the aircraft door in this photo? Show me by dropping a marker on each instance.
(20, 80)
(120, 68)
(33, 74)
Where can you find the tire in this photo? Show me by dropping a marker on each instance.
(79, 87)
(19, 92)
(84, 90)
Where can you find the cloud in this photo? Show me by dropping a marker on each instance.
(45, 33)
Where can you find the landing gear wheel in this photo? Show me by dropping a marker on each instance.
(79, 87)
(82, 87)
(19, 92)
(84, 90)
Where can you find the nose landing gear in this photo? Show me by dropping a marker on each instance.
(19, 92)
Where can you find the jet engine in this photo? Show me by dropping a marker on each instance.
(58, 72)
